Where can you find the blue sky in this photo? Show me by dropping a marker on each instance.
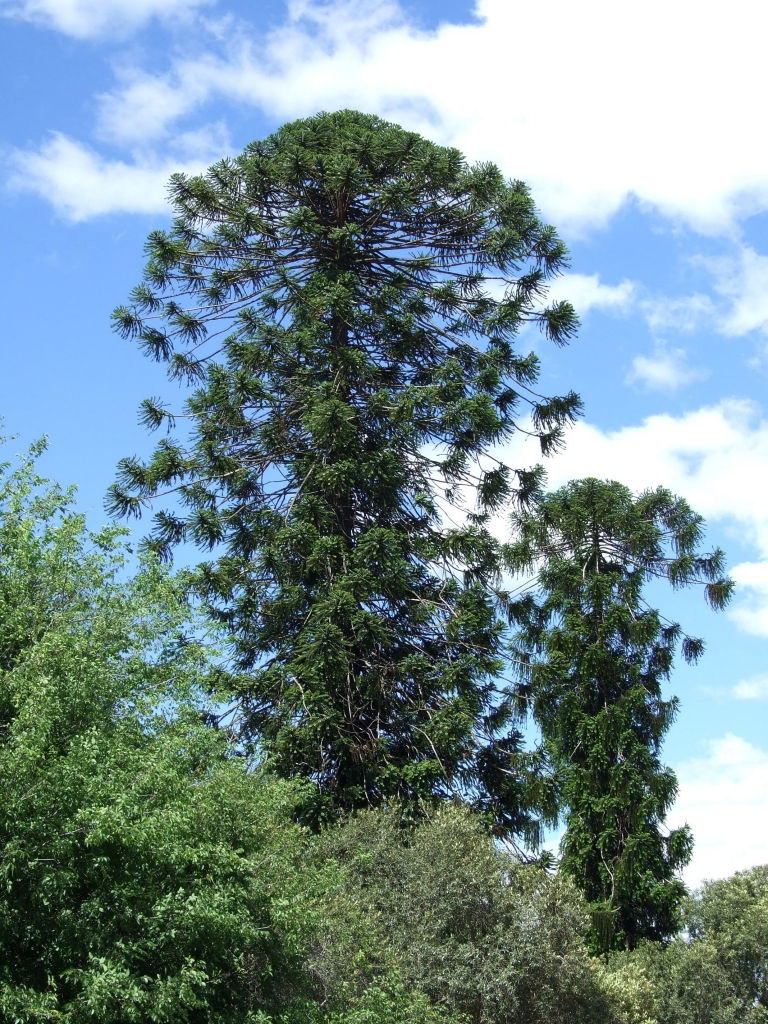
(639, 128)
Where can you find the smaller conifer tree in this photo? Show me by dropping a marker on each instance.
(598, 656)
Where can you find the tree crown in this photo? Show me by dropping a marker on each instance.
(344, 298)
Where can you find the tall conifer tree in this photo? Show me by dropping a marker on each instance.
(344, 299)
(599, 656)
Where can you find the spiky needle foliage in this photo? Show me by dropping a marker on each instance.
(599, 656)
(344, 298)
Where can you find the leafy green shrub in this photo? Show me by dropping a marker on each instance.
(482, 935)
(145, 874)
(631, 992)
(717, 973)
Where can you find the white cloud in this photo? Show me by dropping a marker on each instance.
(743, 280)
(665, 370)
(80, 184)
(143, 109)
(740, 280)
(752, 615)
(682, 313)
(724, 798)
(656, 101)
(586, 292)
(754, 688)
(87, 19)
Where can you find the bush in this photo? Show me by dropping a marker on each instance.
(717, 972)
(146, 874)
(485, 937)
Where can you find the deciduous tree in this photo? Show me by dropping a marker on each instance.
(717, 971)
(146, 874)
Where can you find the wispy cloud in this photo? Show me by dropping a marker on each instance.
(740, 281)
(680, 312)
(751, 613)
(743, 281)
(754, 688)
(664, 370)
(89, 19)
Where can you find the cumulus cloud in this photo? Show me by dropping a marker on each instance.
(81, 184)
(87, 19)
(743, 281)
(664, 370)
(587, 292)
(655, 101)
(652, 101)
(724, 798)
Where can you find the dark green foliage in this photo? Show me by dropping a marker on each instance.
(344, 298)
(718, 972)
(490, 939)
(598, 658)
(144, 874)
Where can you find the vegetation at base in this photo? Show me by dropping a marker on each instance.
(145, 875)
(152, 873)
(480, 932)
(716, 971)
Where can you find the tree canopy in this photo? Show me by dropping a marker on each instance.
(146, 875)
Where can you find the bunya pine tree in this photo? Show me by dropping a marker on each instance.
(597, 656)
(342, 300)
